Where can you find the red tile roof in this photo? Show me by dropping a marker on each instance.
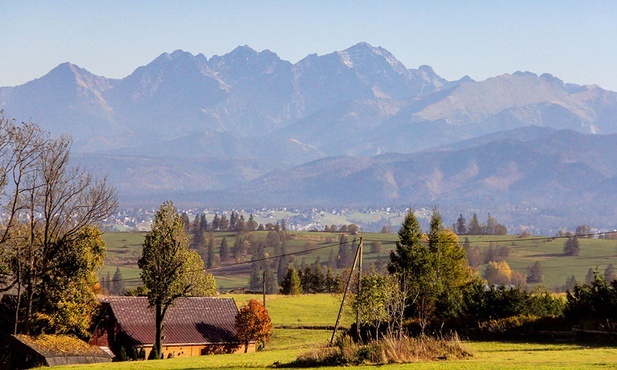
(192, 320)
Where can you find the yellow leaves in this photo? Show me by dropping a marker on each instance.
(498, 272)
(253, 322)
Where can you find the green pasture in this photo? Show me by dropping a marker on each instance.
(124, 248)
(594, 253)
(288, 344)
(299, 311)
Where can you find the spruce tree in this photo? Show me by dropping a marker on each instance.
(224, 250)
(610, 274)
(571, 246)
(343, 252)
(210, 254)
(291, 282)
(117, 284)
(461, 225)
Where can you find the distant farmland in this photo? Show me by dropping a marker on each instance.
(124, 248)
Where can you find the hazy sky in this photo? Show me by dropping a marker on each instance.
(573, 40)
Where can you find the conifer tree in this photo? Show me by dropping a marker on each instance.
(343, 252)
(571, 246)
(610, 273)
(224, 250)
(251, 225)
(203, 223)
(216, 222)
(210, 254)
(291, 282)
(461, 225)
(535, 275)
(474, 226)
(117, 284)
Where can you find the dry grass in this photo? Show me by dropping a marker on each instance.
(389, 350)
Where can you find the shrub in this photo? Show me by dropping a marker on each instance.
(594, 305)
(154, 354)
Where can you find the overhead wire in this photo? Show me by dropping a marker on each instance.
(392, 242)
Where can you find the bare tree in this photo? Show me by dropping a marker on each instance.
(48, 205)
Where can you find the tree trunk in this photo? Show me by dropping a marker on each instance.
(159, 328)
(246, 347)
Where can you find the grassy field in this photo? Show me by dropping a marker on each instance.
(287, 344)
(125, 248)
(298, 311)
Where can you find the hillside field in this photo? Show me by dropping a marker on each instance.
(124, 249)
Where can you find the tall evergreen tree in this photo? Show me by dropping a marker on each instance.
(282, 265)
(185, 221)
(224, 223)
(291, 282)
(210, 254)
(224, 250)
(117, 284)
(251, 225)
(257, 267)
(491, 224)
(590, 277)
(237, 251)
(610, 273)
(203, 223)
(332, 259)
(535, 273)
(474, 227)
(272, 286)
(571, 246)
(107, 285)
(216, 222)
(233, 219)
(461, 225)
(343, 252)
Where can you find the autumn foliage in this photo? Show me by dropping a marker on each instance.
(253, 323)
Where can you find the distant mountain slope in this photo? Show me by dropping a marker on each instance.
(543, 171)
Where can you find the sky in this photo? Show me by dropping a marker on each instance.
(573, 40)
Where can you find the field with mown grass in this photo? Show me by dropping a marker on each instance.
(287, 344)
(124, 248)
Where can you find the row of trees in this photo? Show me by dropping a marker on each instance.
(236, 222)
(474, 227)
(50, 242)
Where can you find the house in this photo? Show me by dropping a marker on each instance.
(193, 326)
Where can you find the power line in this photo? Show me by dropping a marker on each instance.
(231, 265)
(393, 242)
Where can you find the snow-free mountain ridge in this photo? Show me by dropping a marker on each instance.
(269, 120)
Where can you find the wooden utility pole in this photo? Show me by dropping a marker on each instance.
(340, 311)
(359, 288)
(263, 283)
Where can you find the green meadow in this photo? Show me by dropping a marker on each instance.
(124, 248)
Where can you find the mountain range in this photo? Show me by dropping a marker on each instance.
(354, 127)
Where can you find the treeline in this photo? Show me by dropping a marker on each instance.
(235, 222)
(474, 227)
